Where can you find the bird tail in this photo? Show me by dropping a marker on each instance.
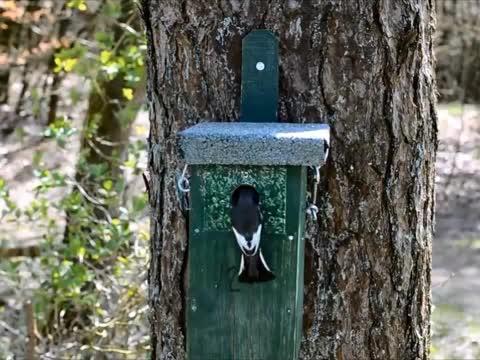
(254, 269)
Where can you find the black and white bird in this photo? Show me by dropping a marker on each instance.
(247, 227)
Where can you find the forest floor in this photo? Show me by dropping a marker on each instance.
(456, 247)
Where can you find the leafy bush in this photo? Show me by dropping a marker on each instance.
(88, 285)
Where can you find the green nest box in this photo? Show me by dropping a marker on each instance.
(227, 319)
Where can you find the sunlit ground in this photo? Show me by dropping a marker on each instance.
(456, 248)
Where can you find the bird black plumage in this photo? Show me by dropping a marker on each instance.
(247, 228)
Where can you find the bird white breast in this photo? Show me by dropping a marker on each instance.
(243, 244)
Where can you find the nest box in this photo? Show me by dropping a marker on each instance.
(225, 318)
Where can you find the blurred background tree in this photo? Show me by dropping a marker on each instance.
(89, 217)
(458, 50)
(31, 33)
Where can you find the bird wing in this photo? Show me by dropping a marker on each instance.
(241, 241)
(242, 265)
(256, 238)
(263, 261)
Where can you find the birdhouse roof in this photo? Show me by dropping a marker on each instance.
(247, 143)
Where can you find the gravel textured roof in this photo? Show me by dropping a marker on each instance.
(245, 143)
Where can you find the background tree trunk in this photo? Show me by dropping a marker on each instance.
(109, 117)
(31, 32)
(457, 49)
(26, 73)
(365, 68)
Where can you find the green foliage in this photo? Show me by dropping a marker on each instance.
(7, 205)
(90, 276)
(60, 130)
(67, 59)
(93, 262)
(77, 4)
(109, 56)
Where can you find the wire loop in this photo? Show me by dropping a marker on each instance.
(312, 209)
(183, 183)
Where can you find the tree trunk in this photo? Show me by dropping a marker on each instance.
(364, 67)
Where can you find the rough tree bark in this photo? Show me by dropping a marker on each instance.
(366, 68)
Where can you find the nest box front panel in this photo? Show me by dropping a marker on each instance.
(227, 319)
(217, 183)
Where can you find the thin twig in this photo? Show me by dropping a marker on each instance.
(101, 154)
(458, 144)
(110, 143)
(31, 331)
(444, 282)
(9, 328)
(84, 193)
(456, 151)
(97, 202)
(124, 34)
(112, 350)
(145, 177)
